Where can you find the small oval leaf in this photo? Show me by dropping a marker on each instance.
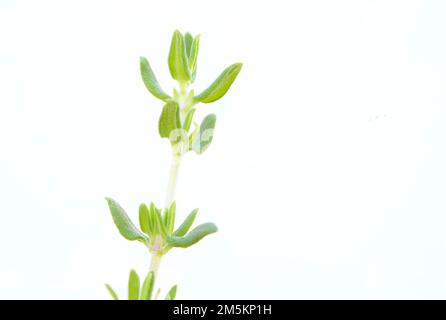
(160, 227)
(204, 138)
(149, 79)
(152, 219)
(170, 223)
(187, 223)
(193, 236)
(133, 285)
(193, 56)
(170, 121)
(124, 224)
(172, 293)
(188, 39)
(188, 119)
(165, 216)
(112, 292)
(178, 60)
(144, 219)
(221, 85)
(147, 287)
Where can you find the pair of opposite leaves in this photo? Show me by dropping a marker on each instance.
(170, 127)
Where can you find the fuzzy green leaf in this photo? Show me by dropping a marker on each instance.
(188, 39)
(204, 139)
(133, 285)
(150, 81)
(187, 223)
(124, 224)
(170, 222)
(147, 287)
(165, 216)
(160, 227)
(178, 60)
(193, 236)
(188, 119)
(195, 133)
(172, 293)
(221, 85)
(152, 219)
(193, 56)
(112, 292)
(144, 219)
(170, 121)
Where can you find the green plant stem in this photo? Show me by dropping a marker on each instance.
(155, 263)
(170, 197)
(173, 176)
(177, 153)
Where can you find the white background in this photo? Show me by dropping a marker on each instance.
(326, 176)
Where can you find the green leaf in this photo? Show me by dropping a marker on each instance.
(147, 287)
(112, 292)
(192, 237)
(195, 133)
(166, 216)
(221, 85)
(144, 219)
(133, 285)
(172, 293)
(160, 227)
(204, 139)
(149, 79)
(170, 121)
(124, 224)
(187, 223)
(152, 219)
(188, 39)
(178, 60)
(193, 55)
(188, 119)
(170, 223)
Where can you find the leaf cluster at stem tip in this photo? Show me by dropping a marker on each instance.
(179, 108)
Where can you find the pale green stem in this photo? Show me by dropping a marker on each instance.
(171, 186)
(170, 196)
(155, 263)
(173, 176)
